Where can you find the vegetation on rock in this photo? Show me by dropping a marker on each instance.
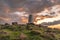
(28, 32)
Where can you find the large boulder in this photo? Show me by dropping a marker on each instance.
(23, 36)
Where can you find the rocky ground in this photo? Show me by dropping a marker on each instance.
(28, 32)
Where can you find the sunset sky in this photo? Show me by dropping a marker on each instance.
(18, 11)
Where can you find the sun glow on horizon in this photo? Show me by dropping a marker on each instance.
(55, 26)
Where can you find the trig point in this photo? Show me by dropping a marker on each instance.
(30, 19)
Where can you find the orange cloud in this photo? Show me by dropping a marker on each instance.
(20, 9)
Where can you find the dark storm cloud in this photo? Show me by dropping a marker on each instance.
(33, 6)
(37, 6)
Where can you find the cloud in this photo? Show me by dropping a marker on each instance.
(8, 7)
(33, 6)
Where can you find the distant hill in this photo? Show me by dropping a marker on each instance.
(51, 23)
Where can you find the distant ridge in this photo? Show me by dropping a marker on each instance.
(51, 23)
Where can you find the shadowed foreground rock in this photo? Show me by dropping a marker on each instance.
(23, 36)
